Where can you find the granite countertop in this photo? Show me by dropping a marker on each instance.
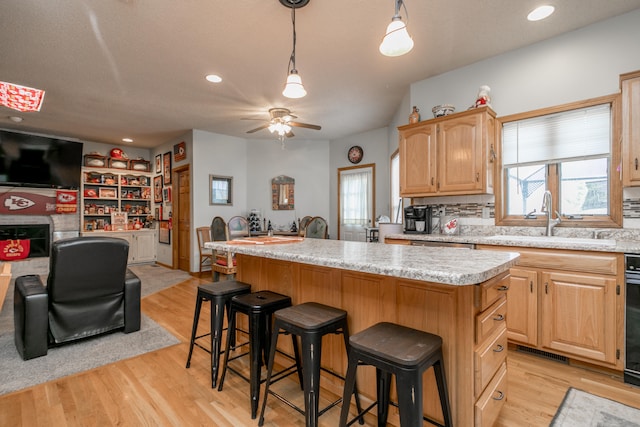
(451, 266)
(551, 242)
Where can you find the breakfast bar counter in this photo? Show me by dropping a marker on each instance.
(458, 294)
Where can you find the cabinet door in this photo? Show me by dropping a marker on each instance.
(578, 314)
(522, 307)
(460, 154)
(631, 130)
(417, 161)
(145, 247)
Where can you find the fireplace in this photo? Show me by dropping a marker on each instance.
(39, 237)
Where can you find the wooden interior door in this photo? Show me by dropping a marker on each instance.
(182, 219)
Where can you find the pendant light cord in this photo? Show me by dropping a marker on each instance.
(292, 59)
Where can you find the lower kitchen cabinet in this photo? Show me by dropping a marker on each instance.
(142, 243)
(568, 303)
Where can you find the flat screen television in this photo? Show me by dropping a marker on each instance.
(37, 161)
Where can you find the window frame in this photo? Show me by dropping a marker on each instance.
(613, 220)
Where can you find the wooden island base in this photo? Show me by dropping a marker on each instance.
(470, 320)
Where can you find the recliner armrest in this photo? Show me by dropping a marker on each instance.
(30, 317)
(132, 286)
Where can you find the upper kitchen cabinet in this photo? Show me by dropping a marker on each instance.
(630, 86)
(450, 155)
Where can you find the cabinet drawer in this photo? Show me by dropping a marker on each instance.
(489, 357)
(491, 319)
(490, 403)
(493, 289)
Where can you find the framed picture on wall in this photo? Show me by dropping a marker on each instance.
(166, 164)
(159, 163)
(157, 189)
(164, 235)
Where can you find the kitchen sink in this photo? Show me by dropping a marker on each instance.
(554, 240)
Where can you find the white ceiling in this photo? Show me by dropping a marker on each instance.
(135, 68)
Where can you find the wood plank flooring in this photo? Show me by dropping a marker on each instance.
(155, 389)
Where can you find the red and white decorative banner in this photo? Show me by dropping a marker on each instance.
(11, 250)
(66, 201)
(27, 204)
(20, 98)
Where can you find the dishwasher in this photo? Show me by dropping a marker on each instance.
(632, 320)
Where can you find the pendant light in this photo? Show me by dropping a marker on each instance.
(293, 87)
(397, 40)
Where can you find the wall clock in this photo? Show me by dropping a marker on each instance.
(355, 154)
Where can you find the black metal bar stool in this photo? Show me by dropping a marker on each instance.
(309, 321)
(259, 307)
(220, 295)
(405, 353)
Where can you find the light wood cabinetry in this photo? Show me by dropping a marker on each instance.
(630, 87)
(569, 303)
(470, 319)
(448, 155)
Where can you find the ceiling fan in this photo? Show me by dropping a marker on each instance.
(281, 122)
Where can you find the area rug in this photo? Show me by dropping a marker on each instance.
(16, 373)
(582, 409)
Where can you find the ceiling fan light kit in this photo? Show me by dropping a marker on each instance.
(397, 40)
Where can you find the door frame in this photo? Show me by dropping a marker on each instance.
(175, 211)
(373, 192)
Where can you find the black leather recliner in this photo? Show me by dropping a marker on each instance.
(89, 292)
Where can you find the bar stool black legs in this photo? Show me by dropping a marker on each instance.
(405, 353)
(220, 295)
(259, 307)
(309, 321)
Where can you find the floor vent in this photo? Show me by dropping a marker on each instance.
(545, 354)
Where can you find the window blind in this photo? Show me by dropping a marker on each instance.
(575, 134)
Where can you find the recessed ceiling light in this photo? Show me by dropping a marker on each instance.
(540, 12)
(127, 140)
(15, 119)
(214, 78)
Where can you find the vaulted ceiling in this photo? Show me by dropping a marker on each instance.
(135, 68)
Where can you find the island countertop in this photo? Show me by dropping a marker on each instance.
(451, 266)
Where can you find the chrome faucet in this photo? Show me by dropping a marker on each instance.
(547, 208)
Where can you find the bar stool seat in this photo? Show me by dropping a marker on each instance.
(220, 295)
(405, 353)
(309, 321)
(259, 307)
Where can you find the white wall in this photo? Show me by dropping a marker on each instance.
(305, 161)
(374, 143)
(579, 65)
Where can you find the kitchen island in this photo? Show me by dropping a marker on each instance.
(458, 294)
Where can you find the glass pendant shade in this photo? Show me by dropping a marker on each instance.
(293, 88)
(396, 41)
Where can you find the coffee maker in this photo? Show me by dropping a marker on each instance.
(417, 220)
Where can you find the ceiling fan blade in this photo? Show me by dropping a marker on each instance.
(304, 125)
(264, 126)
(289, 134)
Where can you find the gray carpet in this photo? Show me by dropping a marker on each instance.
(582, 409)
(16, 373)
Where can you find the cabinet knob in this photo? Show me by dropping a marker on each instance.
(500, 395)
(503, 288)
(477, 176)
(531, 286)
(636, 163)
(432, 180)
(499, 317)
(499, 348)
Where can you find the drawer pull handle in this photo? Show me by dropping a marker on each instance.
(503, 288)
(499, 317)
(500, 395)
(498, 348)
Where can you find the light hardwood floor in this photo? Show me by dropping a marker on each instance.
(155, 389)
